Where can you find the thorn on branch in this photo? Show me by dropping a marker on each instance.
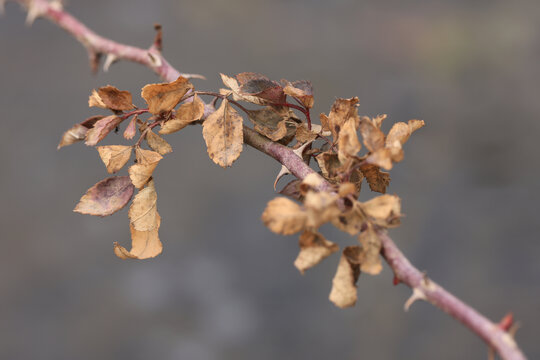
(416, 295)
(158, 40)
(282, 172)
(94, 57)
(109, 60)
(155, 60)
(35, 10)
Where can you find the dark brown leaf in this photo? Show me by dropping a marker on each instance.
(101, 129)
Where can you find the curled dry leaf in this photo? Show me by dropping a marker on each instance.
(384, 210)
(144, 244)
(301, 90)
(377, 180)
(143, 215)
(147, 162)
(101, 129)
(157, 143)
(106, 197)
(186, 114)
(164, 97)
(348, 143)
(270, 122)
(131, 129)
(284, 216)
(78, 131)
(321, 207)
(313, 249)
(109, 97)
(114, 156)
(329, 164)
(350, 221)
(223, 134)
(370, 259)
(371, 134)
(343, 293)
(342, 110)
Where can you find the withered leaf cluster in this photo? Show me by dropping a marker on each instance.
(281, 114)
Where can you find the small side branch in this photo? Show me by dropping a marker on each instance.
(495, 336)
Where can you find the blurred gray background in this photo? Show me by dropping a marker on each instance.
(225, 287)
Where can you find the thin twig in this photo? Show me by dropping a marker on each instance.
(404, 271)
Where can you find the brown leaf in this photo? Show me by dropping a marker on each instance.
(373, 136)
(101, 129)
(109, 97)
(143, 215)
(147, 162)
(301, 90)
(384, 210)
(292, 190)
(157, 143)
(398, 135)
(284, 216)
(131, 129)
(224, 136)
(348, 142)
(313, 249)
(378, 180)
(350, 221)
(186, 114)
(270, 122)
(329, 164)
(252, 84)
(344, 293)
(144, 244)
(114, 156)
(164, 97)
(106, 197)
(321, 207)
(370, 259)
(78, 131)
(303, 135)
(342, 110)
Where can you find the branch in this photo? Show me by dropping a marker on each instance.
(495, 336)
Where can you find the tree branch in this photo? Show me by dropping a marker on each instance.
(423, 288)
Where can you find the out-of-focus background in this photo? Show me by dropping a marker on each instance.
(225, 287)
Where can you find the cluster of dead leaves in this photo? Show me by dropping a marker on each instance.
(342, 165)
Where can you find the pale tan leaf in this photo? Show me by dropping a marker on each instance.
(344, 293)
(141, 173)
(301, 90)
(164, 97)
(284, 216)
(114, 156)
(384, 210)
(373, 136)
(348, 143)
(350, 221)
(131, 129)
(143, 215)
(313, 249)
(94, 100)
(186, 114)
(321, 207)
(342, 110)
(144, 244)
(157, 143)
(223, 134)
(109, 97)
(106, 197)
(147, 156)
(370, 259)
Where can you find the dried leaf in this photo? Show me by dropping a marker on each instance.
(370, 259)
(284, 216)
(378, 180)
(304, 135)
(329, 164)
(292, 190)
(109, 97)
(143, 215)
(348, 142)
(301, 90)
(350, 221)
(106, 197)
(78, 131)
(147, 162)
(164, 97)
(269, 122)
(101, 129)
(224, 136)
(186, 114)
(144, 244)
(373, 136)
(311, 182)
(313, 249)
(114, 156)
(131, 129)
(343, 293)
(321, 207)
(157, 143)
(342, 110)
(252, 84)
(384, 210)
(398, 135)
